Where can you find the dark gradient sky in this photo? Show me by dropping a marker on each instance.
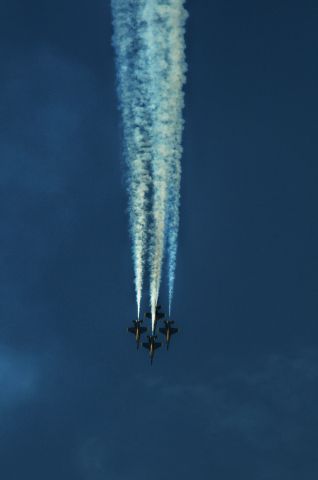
(237, 394)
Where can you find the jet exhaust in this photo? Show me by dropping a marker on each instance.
(149, 44)
(132, 75)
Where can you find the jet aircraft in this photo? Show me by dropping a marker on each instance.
(168, 330)
(159, 315)
(137, 330)
(151, 345)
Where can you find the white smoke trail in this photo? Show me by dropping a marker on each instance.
(165, 21)
(132, 75)
(149, 41)
(154, 36)
(176, 80)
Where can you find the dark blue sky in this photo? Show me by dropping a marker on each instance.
(236, 396)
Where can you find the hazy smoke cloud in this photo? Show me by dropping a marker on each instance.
(149, 43)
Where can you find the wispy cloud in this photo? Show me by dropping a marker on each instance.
(50, 135)
(45, 100)
(267, 404)
(96, 461)
(19, 378)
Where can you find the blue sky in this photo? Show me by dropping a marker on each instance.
(237, 393)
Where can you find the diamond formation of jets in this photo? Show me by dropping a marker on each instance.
(152, 344)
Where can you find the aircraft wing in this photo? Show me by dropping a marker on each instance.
(157, 345)
(173, 330)
(131, 329)
(146, 345)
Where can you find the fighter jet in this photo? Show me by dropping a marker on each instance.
(168, 330)
(159, 315)
(151, 345)
(137, 330)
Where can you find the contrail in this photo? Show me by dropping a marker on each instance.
(133, 92)
(149, 42)
(176, 80)
(155, 20)
(165, 22)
